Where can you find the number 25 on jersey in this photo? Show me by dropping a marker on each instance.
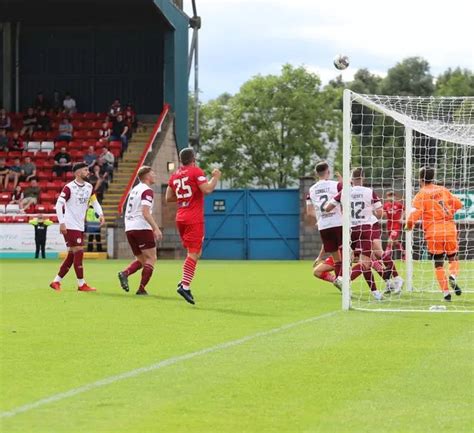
(182, 189)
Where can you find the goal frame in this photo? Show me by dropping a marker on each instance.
(348, 98)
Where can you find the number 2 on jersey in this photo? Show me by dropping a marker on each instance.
(182, 190)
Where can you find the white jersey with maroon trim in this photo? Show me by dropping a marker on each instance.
(74, 202)
(321, 193)
(141, 195)
(364, 201)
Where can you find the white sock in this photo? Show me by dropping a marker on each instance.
(57, 279)
(81, 282)
(185, 287)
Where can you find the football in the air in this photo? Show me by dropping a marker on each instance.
(341, 62)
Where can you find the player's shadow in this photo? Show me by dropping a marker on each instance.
(232, 312)
(159, 297)
(133, 296)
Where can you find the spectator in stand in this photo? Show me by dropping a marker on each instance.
(107, 160)
(90, 157)
(62, 162)
(40, 102)
(105, 131)
(99, 182)
(5, 120)
(14, 173)
(16, 143)
(115, 109)
(17, 196)
(131, 118)
(4, 147)
(65, 130)
(57, 102)
(3, 171)
(43, 122)
(120, 132)
(29, 123)
(69, 104)
(31, 195)
(28, 170)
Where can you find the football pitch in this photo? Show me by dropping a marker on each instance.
(266, 349)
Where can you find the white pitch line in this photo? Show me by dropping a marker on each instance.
(165, 363)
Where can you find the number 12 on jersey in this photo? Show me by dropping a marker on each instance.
(182, 189)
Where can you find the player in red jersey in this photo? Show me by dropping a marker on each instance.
(71, 209)
(188, 186)
(393, 211)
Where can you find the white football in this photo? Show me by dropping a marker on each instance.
(341, 62)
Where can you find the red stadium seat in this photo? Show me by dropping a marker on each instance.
(51, 135)
(31, 209)
(82, 134)
(41, 155)
(48, 164)
(69, 176)
(76, 116)
(93, 134)
(101, 116)
(116, 153)
(77, 124)
(77, 155)
(3, 155)
(45, 208)
(14, 154)
(74, 145)
(47, 197)
(60, 144)
(53, 218)
(90, 116)
(5, 219)
(30, 154)
(39, 135)
(20, 219)
(43, 175)
(5, 197)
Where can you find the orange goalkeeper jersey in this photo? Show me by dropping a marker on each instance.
(436, 207)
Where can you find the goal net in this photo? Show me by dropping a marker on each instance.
(391, 138)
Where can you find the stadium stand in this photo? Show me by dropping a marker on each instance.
(30, 139)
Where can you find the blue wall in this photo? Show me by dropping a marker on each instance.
(252, 224)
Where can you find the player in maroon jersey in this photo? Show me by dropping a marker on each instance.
(188, 186)
(393, 211)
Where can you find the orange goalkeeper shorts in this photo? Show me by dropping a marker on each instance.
(446, 243)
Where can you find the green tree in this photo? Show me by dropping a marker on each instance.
(455, 82)
(366, 82)
(272, 130)
(410, 77)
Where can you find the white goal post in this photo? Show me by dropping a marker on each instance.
(391, 138)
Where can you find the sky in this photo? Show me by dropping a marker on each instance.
(242, 38)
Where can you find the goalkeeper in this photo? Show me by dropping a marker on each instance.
(436, 207)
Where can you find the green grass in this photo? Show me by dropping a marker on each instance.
(346, 372)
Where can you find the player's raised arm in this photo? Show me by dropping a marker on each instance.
(208, 187)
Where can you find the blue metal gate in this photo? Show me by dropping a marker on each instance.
(252, 224)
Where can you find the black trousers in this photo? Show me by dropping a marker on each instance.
(40, 245)
(90, 243)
